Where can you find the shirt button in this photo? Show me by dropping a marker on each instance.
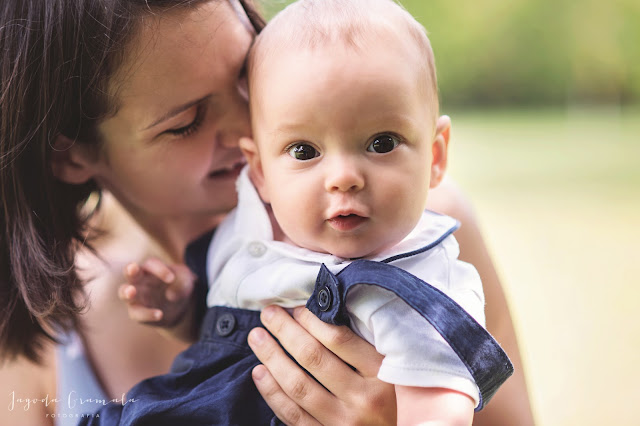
(256, 249)
(324, 299)
(225, 324)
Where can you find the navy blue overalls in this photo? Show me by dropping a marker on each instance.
(210, 383)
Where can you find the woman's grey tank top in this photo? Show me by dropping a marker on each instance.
(78, 389)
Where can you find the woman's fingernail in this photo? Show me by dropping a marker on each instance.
(258, 372)
(267, 314)
(257, 336)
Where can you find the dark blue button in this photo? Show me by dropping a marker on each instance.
(324, 299)
(225, 324)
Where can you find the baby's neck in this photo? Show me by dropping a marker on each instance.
(278, 234)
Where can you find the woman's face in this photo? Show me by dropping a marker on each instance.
(171, 149)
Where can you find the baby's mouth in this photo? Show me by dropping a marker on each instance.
(347, 222)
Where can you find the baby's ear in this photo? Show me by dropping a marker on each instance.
(250, 150)
(70, 161)
(439, 150)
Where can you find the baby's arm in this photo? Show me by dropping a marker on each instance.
(160, 295)
(433, 406)
(432, 384)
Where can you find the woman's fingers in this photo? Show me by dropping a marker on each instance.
(353, 398)
(364, 398)
(326, 367)
(284, 407)
(342, 341)
(295, 382)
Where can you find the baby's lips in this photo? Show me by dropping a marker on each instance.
(346, 222)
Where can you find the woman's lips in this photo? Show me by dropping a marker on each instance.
(346, 222)
(227, 173)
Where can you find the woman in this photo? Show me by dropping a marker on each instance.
(146, 99)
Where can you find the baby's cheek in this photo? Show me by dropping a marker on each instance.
(290, 219)
(404, 209)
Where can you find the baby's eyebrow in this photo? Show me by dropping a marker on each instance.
(290, 125)
(177, 110)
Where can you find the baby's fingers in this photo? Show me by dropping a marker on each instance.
(142, 314)
(127, 293)
(158, 268)
(132, 272)
(182, 286)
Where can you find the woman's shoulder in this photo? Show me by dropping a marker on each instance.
(112, 231)
(447, 198)
(117, 240)
(28, 390)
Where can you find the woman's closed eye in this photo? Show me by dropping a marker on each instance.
(302, 151)
(383, 143)
(192, 127)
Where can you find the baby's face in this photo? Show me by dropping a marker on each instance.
(345, 145)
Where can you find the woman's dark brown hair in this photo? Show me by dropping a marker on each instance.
(56, 59)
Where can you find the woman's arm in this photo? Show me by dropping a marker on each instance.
(510, 405)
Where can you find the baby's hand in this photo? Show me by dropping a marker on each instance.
(157, 294)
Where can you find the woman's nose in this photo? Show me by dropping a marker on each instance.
(236, 123)
(344, 175)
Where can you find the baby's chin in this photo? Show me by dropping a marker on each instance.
(357, 252)
(344, 247)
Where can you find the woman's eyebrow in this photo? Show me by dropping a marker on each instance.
(177, 110)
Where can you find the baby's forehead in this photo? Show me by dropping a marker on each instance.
(354, 23)
(364, 27)
(313, 24)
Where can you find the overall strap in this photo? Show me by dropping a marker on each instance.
(488, 364)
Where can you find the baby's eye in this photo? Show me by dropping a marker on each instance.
(383, 143)
(303, 151)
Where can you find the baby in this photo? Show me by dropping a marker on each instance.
(346, 144)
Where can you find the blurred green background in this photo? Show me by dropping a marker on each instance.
(531, 52)
(544, 97)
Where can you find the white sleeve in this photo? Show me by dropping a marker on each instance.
(415, 353)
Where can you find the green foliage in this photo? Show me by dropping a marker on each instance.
(535, 52)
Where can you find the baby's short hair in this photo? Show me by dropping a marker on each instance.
(310, 24)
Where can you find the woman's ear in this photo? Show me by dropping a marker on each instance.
(70, 161)
(439, 150)
(250, 150)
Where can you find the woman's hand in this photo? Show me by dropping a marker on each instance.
(350, 397)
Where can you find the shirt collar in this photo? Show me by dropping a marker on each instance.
(252, 219)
